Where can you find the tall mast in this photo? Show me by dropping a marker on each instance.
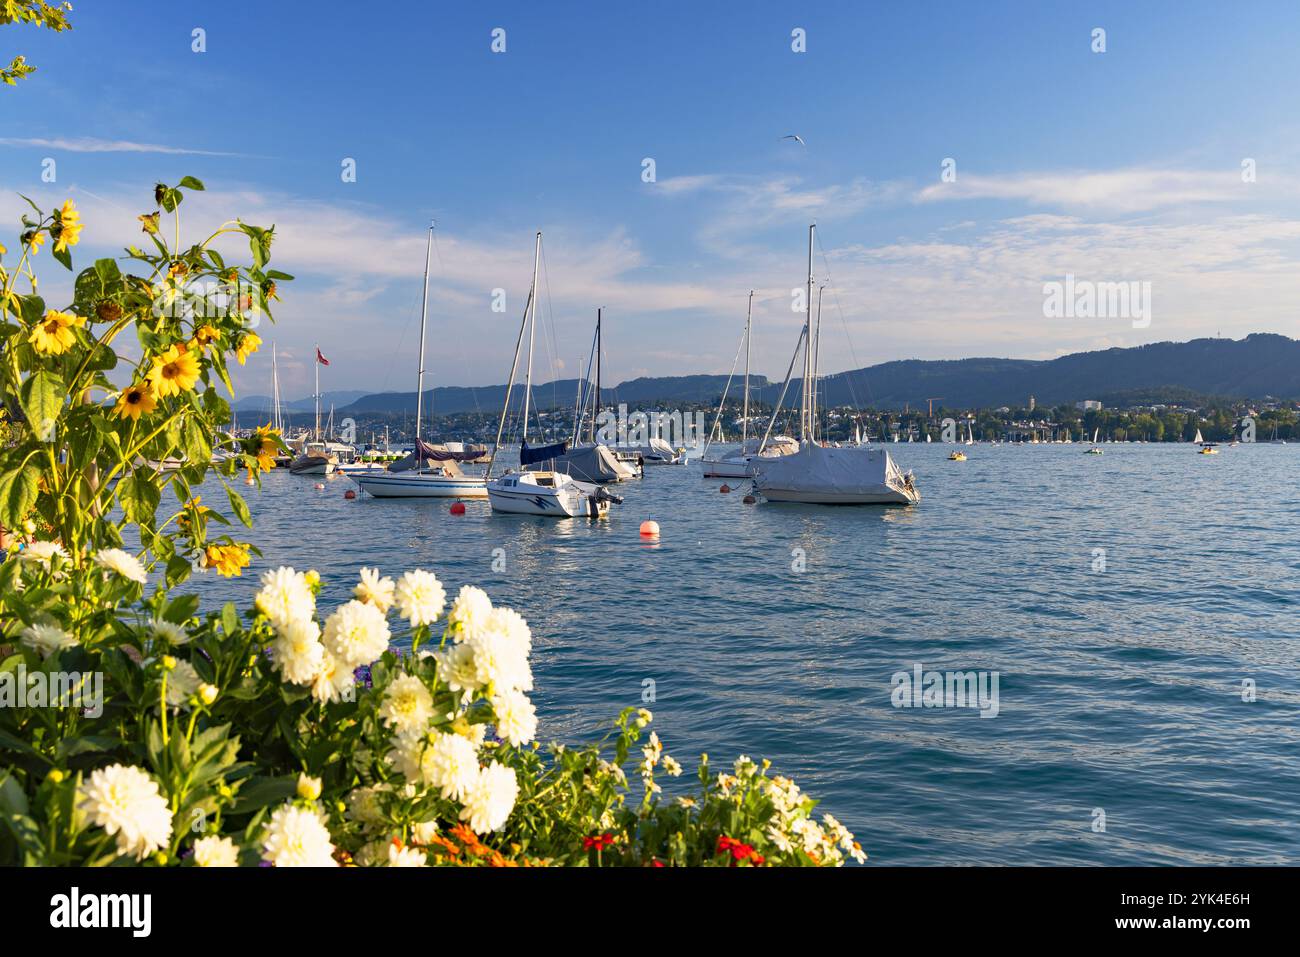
(805, 415)
(596, 407)
(817, 355)
(744, 420)
(424, 309)
(316, 363)
(275, 392)
(532, 333)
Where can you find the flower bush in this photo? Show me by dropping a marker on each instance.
(393, 730)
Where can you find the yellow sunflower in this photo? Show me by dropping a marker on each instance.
(35, 243)
(205, 335)
(149, 223)
(247, 346)
(266, 446)
(174, 372)
(134, 401)
(226, 559)
(53, 335)
(69, 227)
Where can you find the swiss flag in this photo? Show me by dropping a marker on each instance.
(320, 358)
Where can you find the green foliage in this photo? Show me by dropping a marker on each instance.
(52, 16)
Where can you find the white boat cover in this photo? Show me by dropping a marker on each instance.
(592, 463)
(845, 476)
(655, 448)
(426, 454)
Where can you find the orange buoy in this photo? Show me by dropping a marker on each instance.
(650, 528)
(458, 508)
(319, 486)
(725, 488)
(349, 494)
(250, 481)
(749, 500)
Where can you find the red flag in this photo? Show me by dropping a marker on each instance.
(320, 358)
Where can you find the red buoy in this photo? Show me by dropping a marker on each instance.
(458, 508)
(749, 500)
(725, 488)
(650, 529)
(349, 494)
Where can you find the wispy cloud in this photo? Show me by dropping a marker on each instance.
(1121, 191)
(91, 144)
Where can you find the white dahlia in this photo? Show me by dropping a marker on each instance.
(490, 799)
(183, 683)
(215, 852)
(512, 623)
(285, 597)
(456, 667)
(516, 717)
(407, 755)
(500, 661)
(125, 802)
(42, 552)
(297, 651)
(407, 706)
(47, 639)
(399, 856)
(424, 832)
(163, 630)
(420, 597)
(450, 764)
(123, 563)
(356, 634)
(333, 682)
(469, 611)
(374, 590)
(297, 837)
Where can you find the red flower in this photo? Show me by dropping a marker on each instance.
(739, 850)
(599, 842)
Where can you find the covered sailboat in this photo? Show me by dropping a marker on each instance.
(827, 476)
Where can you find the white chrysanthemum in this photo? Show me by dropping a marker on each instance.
(42, 552)
(779, 839)
(356, 634)
(297, 837)
(424, 832)
(215, 852)
(490, 799)
(456, 668)
(364, 806)
(169, 632)
(406, 856)
(500, 660)
(671, 766)
(407, 755)
(47, 639)
(516, 717)
(333, 681)
(469, 611)
(285, 597)
(125, 802)
(123, 563)
(374, 590)
(182, 683)
(407, 706)
(297, 651)
(420, 597)
(512, 623)
(450, 764)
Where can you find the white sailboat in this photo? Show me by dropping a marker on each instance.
(427, 472)
(549, 493)
(828, 476)
(737, 463)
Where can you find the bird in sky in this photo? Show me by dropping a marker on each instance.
(797, 138)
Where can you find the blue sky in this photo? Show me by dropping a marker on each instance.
(1115, 166)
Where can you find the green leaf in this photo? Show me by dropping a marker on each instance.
(198, 450)
(189, 182)
(239, 507)
(181, 609)
(261, 792)
(42, 398)
(18, 491)
(178, 570)
(63, 256)
(139, 498)
(230, 619)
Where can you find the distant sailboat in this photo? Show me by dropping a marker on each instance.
(1095, 449)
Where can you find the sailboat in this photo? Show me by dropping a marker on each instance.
(736, 463)
(1095, 449)
(427, 472)
(548, 492)
(1207, 448)
(315, 458)
(820, 475)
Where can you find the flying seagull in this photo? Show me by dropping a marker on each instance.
(798, 139)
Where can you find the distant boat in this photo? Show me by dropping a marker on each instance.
(428, 471)
(957, 456)
(826, 476)
(1095, 449)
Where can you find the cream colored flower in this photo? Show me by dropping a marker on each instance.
(399, 856)
(456, 668)
(490, 799)
(420, 597)
(42, 552)
(46, 639)
(450, 764)
(166, 631)
(374, 590)
(125, 802)
(333, 681)
(183, 683)
(500, 660)
(468, 612)
(308, 787)
(424, 832)
(285, 597)
(356, 634)
(407, 705)
(516, 717)
(297, 651)
(123, 563)
(215, 852)
(297, 837)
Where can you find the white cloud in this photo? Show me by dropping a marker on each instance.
(91, 144)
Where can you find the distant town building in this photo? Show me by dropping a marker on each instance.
(1032, 403)
(1088, 405)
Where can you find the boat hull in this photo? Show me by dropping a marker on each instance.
(311, 468)
(724, 468)
(829, 476)
(413, 486)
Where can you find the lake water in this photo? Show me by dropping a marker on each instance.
(1120, 672)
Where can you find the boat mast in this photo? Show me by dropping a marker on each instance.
(532, 334)
(805, 409)
(817, 355)
(744, 416)
(275, 392)
(596, 407)
(510, 385)
(316, 363)
(419, 379)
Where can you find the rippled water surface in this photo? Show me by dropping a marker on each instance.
(1120, 690)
